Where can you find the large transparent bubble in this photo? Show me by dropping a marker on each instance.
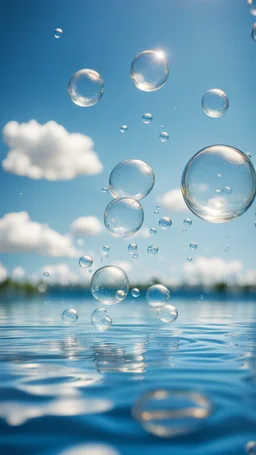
(215, 102)
(206, 178)
(131, 178)
(86, 87)
(123, 217)
(149, 70)
(109, 285)
(101, 319)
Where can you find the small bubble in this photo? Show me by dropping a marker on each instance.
(101, 320)
(58, 32)
(120, 295)
(102, 259)
(167, 313)
(163, 136)
(152, 249)
(21, 194)
(135, 292)
(189, 259)
(132, 248)
(104, 189)
(69, 316)
(215, 103)
(147, 118)
(250, 448)
(152, 231)
(248, 155)
(135, 256)
(85, 261)
(46, 274)
(218, 175)
(157, 295)
(156, 212)
(201, 297)
(187, 222)
(193, 246)
(165, 222)
(123, 128)
(106, 248)
(227, 190)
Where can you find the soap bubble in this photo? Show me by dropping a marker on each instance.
(157, 295)
(227, 190)
(168, 413)
(199, 182)
(123, 217)
(135, 256)
(248, 154)
(167, 313)
(131, 178)
(163, 136)
(189, 259)
(58, 32)
(46, 274)
(101, 319)
(85, 262)
(156, 211)
(104, 189)
(107, 282)
(187, 222)
(123, 128)
(152, 231)
(86, 87)
(106, 248)
(254, 31)
(165, 222)
(132, 248)
(69, 316)
(252, 4)
(193, 246)
(215, 103)
(152, 249)
(250, 448)
(135, 292)
(147, 118)
(149, 70)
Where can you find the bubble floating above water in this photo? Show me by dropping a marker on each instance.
(69, 316)
(187, 222)
(85, 262)
(152, 231)
(149, 70)
(86, 87)
(157, 295)
(168, 313)
(132, 248)
(135, 292)
(147, 118)
(250, 448)
(215, 103)
(152, 249)
(58, 32)
(199, 183)
(168, 413)
(131, 178)
(165, 222)
(123, 217)
(164, 136)
(123, 128)
(46, 274)
(106, 284)
(193, 246)
(101, 320)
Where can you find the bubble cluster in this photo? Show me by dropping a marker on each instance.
(147, 118)
(85, 262)
(69, 316)
(101, 320)
(149, 70)
(123, 217)
(109, 285)
(58, 32)
(168, 313)
(215, 102)
(165, 222)
(200, 181)
(86, 87)
(168, 413)
(157, 295)
(135, 292)
(131, 178)
(152, 249)
(123, 128)
(164, 136)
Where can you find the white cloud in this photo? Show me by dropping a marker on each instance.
(48, 151)
(3, 273)
(86, 225)
(124, 265)
(142, 232)
(58, 273)
(208, 271)
(173, 200)
(18, 273)
(249, 278)
(18, 234)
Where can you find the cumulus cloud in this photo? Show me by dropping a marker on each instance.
(19, 234)
(173, 200)
(209, 271)
(18, 273)
(142, 232)
(3, 273)
(48, 151)
(249, 278)
(124, 265)
(86, 225)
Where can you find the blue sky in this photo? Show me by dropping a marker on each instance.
(207, 43)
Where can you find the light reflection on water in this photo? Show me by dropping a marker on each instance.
(67, 385)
